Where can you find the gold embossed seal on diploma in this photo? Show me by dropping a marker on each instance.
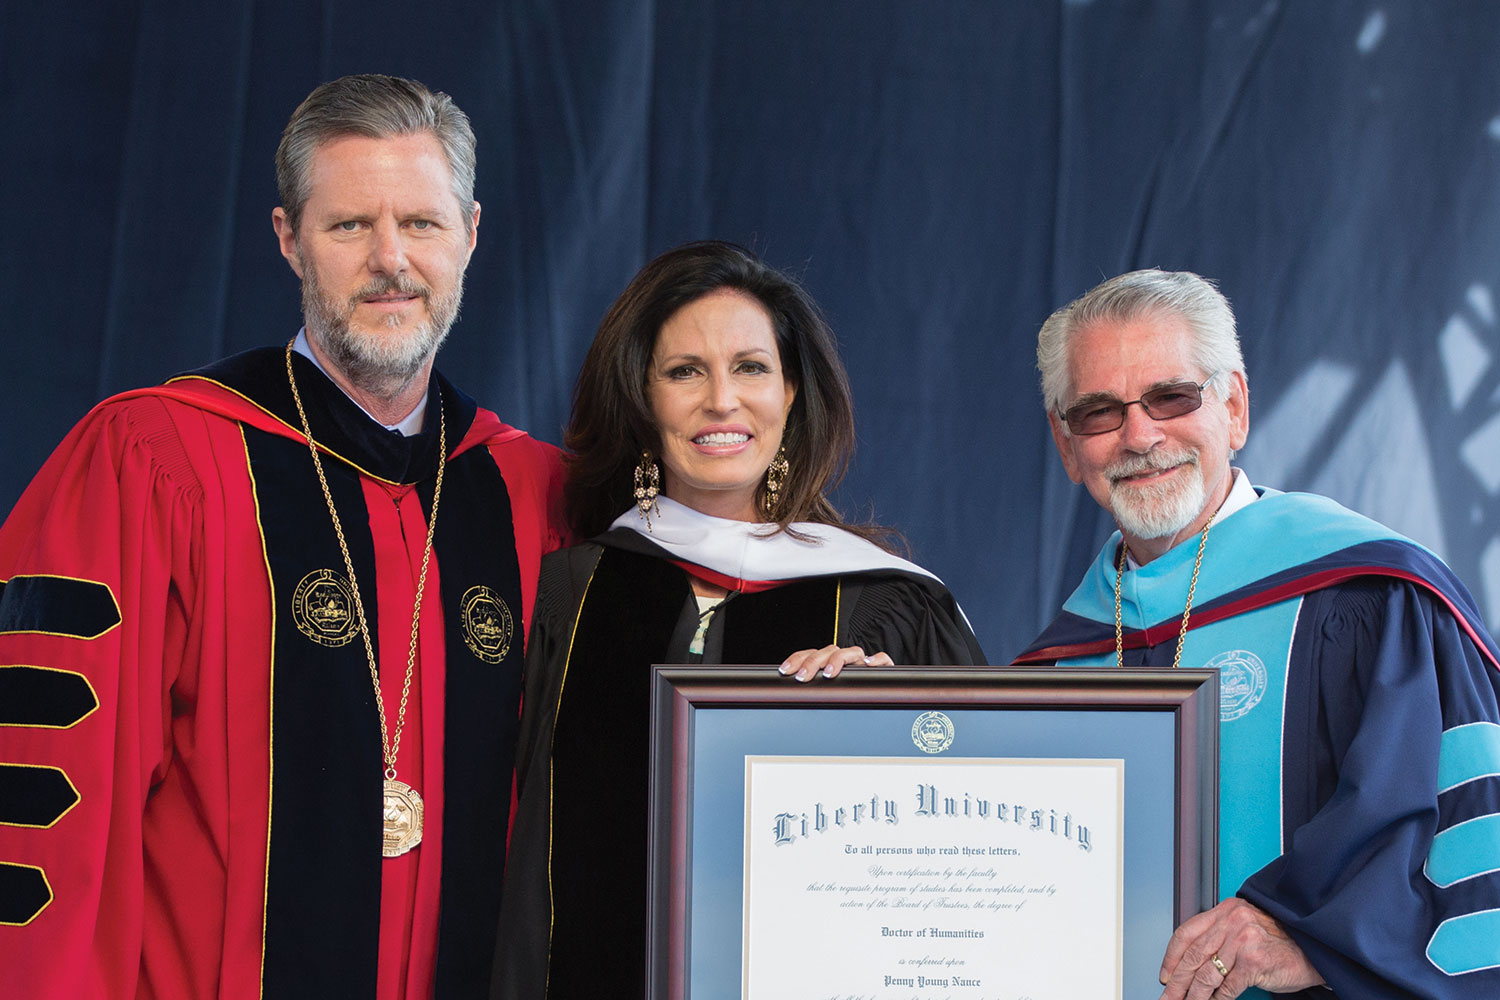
(932, 732)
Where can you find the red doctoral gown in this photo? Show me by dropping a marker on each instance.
(190, 756)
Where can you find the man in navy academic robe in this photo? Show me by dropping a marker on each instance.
(1360, 692)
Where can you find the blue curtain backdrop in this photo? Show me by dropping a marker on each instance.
(941, 174)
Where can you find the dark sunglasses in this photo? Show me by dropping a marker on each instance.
(1102, 415)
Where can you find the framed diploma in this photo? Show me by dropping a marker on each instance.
(996, 833)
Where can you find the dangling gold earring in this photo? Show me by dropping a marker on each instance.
(776, 473)
(647, 486)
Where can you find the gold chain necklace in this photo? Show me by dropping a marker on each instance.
(402, 806)
(1186, 610)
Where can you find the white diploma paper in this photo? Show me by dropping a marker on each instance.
(886, 878)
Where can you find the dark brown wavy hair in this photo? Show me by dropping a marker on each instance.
(612, 422)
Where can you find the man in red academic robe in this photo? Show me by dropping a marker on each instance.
(258, 700)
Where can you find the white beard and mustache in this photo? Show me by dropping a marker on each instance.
(1157, 509)
(384, 365)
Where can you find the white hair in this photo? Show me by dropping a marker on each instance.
(1216, 345)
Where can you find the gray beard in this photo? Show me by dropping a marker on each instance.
(381, 366)
(1160, 509)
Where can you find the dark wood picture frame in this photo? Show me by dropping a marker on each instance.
(685, 697)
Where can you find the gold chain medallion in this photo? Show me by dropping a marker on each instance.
(1186, 610)
(402, 806)
(401, 827)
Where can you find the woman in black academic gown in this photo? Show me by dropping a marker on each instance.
(711, 417)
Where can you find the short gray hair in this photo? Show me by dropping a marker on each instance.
(1216, 345)
(377, 107)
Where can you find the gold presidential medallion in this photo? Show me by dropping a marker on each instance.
(401, 825)
(324, 599)
(488, 626)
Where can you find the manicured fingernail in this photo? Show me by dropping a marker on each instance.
(804, 676)
(827, 671)
(866, 661)
(785, 668)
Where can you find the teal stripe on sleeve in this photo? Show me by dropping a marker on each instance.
(1463, 851)
(1467, 943)
(1468, 752)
